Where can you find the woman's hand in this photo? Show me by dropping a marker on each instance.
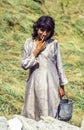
(40, 45)
(61, 91)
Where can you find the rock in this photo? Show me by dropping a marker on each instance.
(82, 124)
(3, 123)
(46, 123)
(15, 124)
(18, 122)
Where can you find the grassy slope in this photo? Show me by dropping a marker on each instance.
(16, 19)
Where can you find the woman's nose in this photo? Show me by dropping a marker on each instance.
(44, 32)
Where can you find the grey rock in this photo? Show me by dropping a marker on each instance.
(3, 123)
(46, 123)
(82, 124)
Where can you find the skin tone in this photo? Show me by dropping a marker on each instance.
(40, 41)
(61, 91)
(41, 45)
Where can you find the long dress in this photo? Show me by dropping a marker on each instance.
(46, 74)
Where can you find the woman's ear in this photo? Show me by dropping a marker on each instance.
(37, 29)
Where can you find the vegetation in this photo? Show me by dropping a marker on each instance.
(16, 19)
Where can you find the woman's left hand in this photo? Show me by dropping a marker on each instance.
(61, 92)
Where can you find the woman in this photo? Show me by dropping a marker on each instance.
(45, 84)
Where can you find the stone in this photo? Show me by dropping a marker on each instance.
(3, 123)
(18, 122)
(82, 124)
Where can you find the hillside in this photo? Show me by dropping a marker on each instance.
(16, 19)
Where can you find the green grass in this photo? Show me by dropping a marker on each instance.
(16, 19)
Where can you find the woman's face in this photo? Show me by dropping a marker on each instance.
(43, 34)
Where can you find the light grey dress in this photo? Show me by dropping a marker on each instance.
(45, 77)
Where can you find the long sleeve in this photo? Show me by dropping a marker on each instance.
(28, 59)
(62, 77)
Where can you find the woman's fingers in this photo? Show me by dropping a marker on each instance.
(61, 92)
(44, 45)
(42, 40)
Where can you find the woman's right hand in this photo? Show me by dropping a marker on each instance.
(40, 45)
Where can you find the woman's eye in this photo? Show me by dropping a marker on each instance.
(42, 29)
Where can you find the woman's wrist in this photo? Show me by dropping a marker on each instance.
(36, 52)
(62, 86)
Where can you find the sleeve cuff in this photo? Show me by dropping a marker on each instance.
(32, 55)
(64, 82)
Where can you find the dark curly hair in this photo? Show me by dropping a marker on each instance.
(44, 23)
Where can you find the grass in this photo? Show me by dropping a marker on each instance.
(16, 19)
